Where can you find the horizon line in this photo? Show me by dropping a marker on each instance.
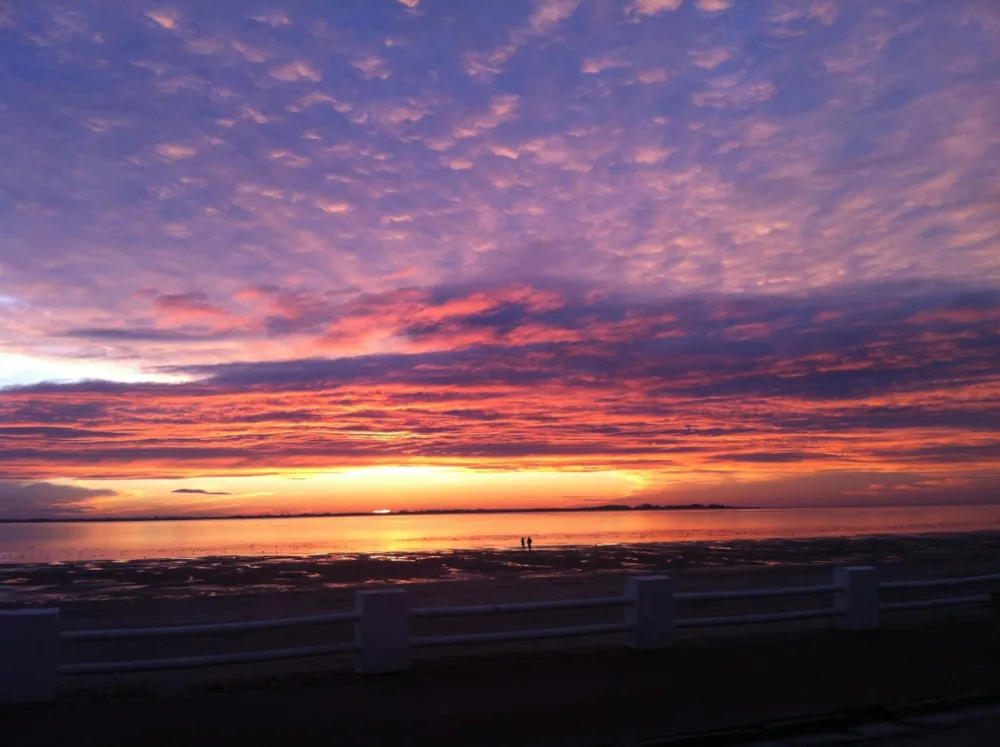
(383, 512)
(462, 511)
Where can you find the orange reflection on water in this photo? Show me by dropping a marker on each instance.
(51, 542)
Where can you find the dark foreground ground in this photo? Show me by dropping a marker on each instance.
(592, 697)
(211, 590)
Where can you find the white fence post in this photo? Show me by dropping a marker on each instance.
(382, 631)
(857, 603)
(29, 641)
(650, 612)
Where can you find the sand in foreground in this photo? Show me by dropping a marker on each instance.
(163, 593)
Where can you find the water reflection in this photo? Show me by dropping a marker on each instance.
(77, 542)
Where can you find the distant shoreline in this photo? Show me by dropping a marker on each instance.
(404, 512)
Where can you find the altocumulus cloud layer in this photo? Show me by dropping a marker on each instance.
(710, 242)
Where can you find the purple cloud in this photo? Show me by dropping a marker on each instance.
(25, 500)
(744, 233)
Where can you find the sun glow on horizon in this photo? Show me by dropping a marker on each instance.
(393, 488)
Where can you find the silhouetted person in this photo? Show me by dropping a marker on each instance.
(522, 543)
(529, 543)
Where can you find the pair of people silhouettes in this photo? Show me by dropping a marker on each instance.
(525, 542)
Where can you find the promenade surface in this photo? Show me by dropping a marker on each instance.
(975, 732)
(561, 698)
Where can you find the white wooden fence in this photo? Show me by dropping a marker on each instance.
(30, 638)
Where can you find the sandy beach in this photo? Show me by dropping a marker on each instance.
(310, 579)
(187, 591)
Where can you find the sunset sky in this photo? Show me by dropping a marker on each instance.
(265, 256)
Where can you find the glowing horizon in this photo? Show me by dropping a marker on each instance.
(436, 253)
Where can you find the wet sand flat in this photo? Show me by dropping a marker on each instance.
(70, 585)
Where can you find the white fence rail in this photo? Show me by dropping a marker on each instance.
(788, 591)
(211, 660)
(514, 607)
(767, 617)
(926, 604)
(521, 635)
(29, 639)
(939, 583)
(178, 631)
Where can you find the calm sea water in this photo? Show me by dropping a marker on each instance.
(60, 542)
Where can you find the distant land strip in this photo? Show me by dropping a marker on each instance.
(403, 512)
